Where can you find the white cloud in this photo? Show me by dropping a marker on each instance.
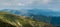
(54, 9)
(30, 2)
(46, 1)
(20, 4)
(26, 3)
(8, 4)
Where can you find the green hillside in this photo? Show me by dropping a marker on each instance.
(12, 20)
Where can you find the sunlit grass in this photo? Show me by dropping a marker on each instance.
(21, 21)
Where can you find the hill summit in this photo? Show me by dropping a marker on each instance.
(12, 20)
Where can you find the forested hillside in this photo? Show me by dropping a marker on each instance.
(13, 20)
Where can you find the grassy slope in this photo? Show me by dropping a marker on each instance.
(21, 21)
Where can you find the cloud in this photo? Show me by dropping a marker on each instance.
(30, 4)
(7, 4)
(20, 4)
(46, 1)
(54, 9)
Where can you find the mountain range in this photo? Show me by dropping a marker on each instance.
(44, 15)
(24, 12)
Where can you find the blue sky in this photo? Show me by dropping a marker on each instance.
(53, 5)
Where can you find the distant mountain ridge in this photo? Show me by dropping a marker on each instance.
(33, 11)
(39, 14)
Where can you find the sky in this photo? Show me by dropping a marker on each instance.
(53, 5)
